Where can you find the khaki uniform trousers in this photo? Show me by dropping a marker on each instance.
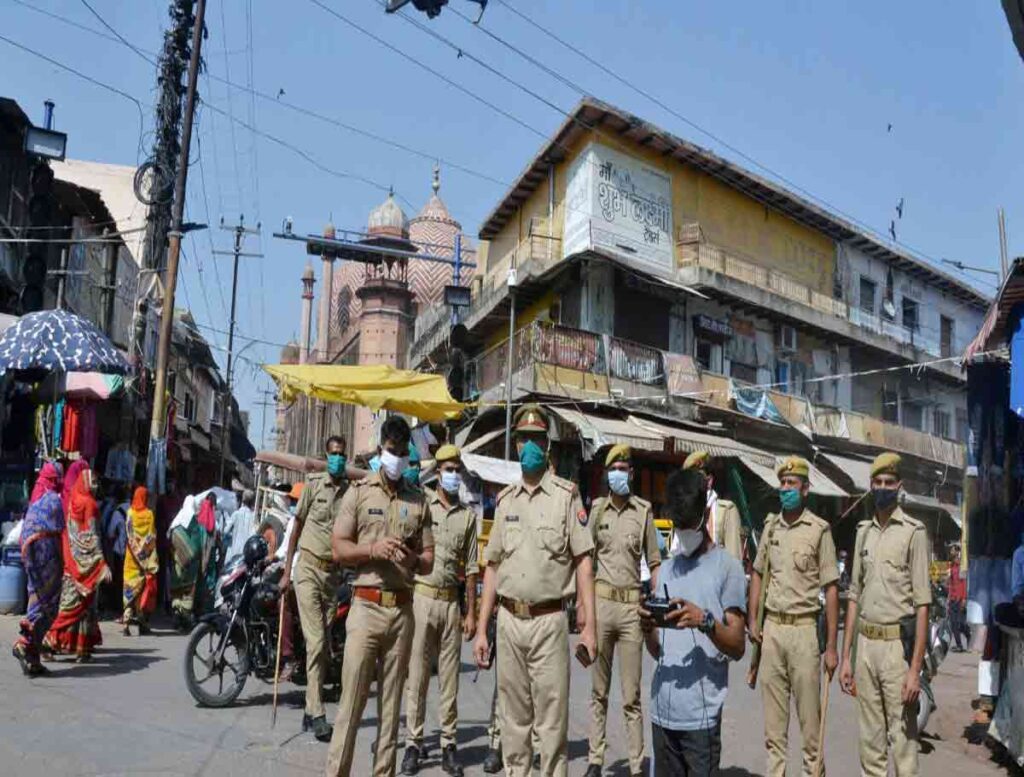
(884, 719)
(438, 632)
(315, 593)
(377, 646)
(494, 728)
(618, 625)
(790, 667)
(533, 691)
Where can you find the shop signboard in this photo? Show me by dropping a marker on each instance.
(620, 205)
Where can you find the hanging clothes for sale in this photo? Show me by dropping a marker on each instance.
(89, 444)
(58, 422)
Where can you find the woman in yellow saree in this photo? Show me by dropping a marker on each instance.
(140, 564)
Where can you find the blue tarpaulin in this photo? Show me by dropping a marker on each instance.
(755, 402)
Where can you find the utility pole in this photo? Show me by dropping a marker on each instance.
(156, 429)
(240, 231)
(264, 404)
(163, 164)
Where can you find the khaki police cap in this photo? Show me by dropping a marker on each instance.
(620, 452)
(794, 465)
(697, 460)
(887, 463)
(447, 452)
(531, 419)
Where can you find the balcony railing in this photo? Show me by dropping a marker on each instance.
(694, 252)
(573, 349)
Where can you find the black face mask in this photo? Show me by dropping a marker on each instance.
(884, 498)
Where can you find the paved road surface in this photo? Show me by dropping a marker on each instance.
(128, 713)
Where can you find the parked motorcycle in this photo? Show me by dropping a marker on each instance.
(240, 637)
(939, 637)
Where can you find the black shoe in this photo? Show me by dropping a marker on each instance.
(492, 763)
(449, 763)
(307, 723)
(536, 760)
(322, 730)
(593, 770)
(411, 760)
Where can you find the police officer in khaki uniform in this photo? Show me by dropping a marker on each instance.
(802, 562)
(889, 584)
(538, 555)
(623, 529)
(383, 532)
(316, 582)
(439, 625)
(724, 521)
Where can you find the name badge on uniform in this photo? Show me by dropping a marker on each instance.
(511, 519)
(604, 526)
(375, 511)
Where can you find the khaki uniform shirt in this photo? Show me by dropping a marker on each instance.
(455, 547)
(370, 511)
(317, 509)
(535, 537)
(620, 538)
(890, 568)
(803, 561)
(727, 528)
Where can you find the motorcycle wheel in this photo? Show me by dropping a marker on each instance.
(215, 683)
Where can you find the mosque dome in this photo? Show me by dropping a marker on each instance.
(388, 220)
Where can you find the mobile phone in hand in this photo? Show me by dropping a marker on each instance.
(583, 655)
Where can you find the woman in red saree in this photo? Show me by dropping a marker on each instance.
(76, 629)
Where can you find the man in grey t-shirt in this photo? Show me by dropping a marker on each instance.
(692, 649)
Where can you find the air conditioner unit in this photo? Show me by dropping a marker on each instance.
(787, 338)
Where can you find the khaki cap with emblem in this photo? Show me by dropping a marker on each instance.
(620, 452)
(697, 460)
(448, 452)
(531, 419)
(887, 463)
(794, 465)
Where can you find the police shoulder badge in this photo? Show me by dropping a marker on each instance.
(582, 517)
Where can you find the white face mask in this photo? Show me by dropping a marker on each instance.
(688, 540)
(393, 466)
(450, 482)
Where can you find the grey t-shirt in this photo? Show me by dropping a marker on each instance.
(692, 676)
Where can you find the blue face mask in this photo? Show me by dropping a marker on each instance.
(412, 476)
(790, 498)
(618, 481)
(450, 482)
(531, 457)
(335, 464)
(375, 464)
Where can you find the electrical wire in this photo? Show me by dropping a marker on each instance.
(310, 158)
(117, 35)
(424, 66)
(84, 77)
(876, 234)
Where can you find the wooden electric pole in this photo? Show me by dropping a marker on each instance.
(157, 432)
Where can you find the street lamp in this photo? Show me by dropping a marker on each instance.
(44, 141)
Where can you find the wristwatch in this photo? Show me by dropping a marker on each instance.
(708, 625)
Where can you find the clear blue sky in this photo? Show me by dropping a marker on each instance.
(806, 88)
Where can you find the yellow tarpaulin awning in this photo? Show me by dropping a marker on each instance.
(377, 386)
